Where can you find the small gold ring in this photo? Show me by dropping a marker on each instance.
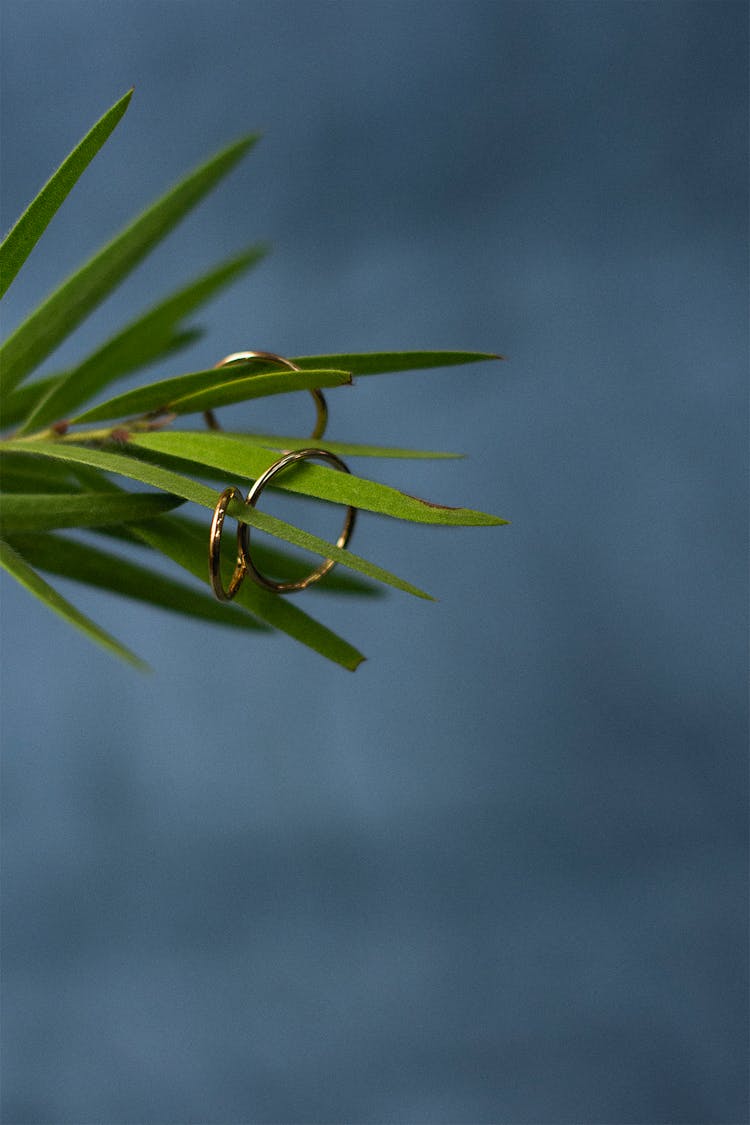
(321, 409)
(243, 531)
(214, 549)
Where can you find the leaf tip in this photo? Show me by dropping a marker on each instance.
(244, 144)
(120, 106)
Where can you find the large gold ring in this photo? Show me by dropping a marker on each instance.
(321, 409)
(243, 532)
(214, 549)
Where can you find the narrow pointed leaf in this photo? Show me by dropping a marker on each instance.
(26, 399)
(20, 473)
(86, 563)
(16, 565)
(346, 448)
(17, 405)
(22, 512)
(243, 458)
(379, 363)
(202, 390)
(179, 485)
(268, 558)
(48, 326)
(258, 386)
(217, 476)
(23, 237)
(36, 404)
(178, 543)
(147, 338)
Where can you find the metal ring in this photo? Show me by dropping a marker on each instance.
(243, 531)
(214, 549)
(321, 409)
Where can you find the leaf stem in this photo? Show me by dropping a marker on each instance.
(119, 433)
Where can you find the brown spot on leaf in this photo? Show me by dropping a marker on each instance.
(429, 504)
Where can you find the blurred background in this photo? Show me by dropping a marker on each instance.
(499, 874)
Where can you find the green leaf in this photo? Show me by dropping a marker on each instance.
(48, 326)
(85, 563)
(15, 406)
(22, 512)
(21, 402)
(16, 565)
(28, 403)
(244, 458)
(189, 551)
(20, 473)
(149, 337)
(218, 476)
(23, 237)
(258, 386)
(345, 448)
(201, 390)
(269, 559)
(378, 363)
(179, 485)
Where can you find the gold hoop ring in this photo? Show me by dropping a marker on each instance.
(243, 532)
(214, 549)
(321, 409)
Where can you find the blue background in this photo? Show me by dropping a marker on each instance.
(498, 874)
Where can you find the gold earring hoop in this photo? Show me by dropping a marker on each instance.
(243, 532)
(214, 549)
(321, 408)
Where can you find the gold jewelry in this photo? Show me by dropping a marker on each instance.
(243, 531)
(214, 549)
(321, 409)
